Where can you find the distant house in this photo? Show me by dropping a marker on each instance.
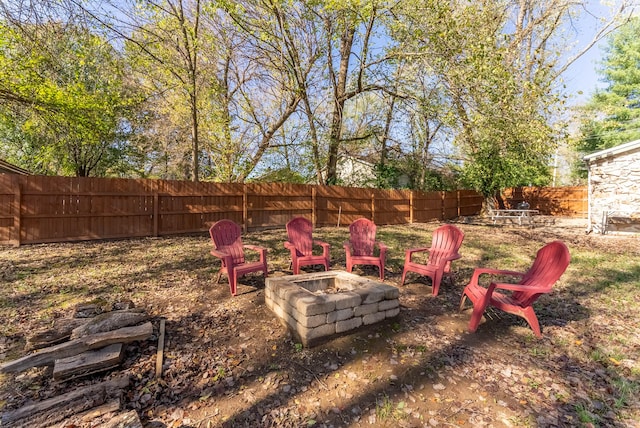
(614, 188)
(356, 172)
(7, 168)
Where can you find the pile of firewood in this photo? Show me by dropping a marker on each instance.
(89, 342)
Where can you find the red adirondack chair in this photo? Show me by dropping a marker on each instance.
(360, 248)
(444, 248)
(550, 263)
(228, 247)
(301, 242)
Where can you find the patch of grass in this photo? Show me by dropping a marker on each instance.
(585, 415)
(625, 391)
(386, 409)
(598, 356)
(538, 352)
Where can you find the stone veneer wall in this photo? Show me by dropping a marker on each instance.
(615, 186)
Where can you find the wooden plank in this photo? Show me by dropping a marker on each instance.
(17, 214)
(58, 408)
(160, 353)
(47, 356)
(88, 363)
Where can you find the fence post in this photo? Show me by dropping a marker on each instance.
(373, 207)
(245, 208)
(17, 212)
(459, 201)
(313, 206)
(411, 207)
(442, 211)
(156, 213)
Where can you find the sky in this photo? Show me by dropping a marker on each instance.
(581, 76)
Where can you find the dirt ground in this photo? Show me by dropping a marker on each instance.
(229, 362)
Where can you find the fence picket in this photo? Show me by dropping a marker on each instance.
(35, 209)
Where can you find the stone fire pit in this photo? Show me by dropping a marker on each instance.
(321, 304)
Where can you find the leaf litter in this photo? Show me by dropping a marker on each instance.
(230, 363)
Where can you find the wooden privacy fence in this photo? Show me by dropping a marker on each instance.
(39, 209)
(570, 201)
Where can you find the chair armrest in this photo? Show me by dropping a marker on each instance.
(520, 287)
(257, 248)
(409, 253)
(220, 254)
(324, 245)
(289, 246)
(226, 259)
(383, 248)
(416, 250)
(453, 257)
(488, 271)
(321, 243)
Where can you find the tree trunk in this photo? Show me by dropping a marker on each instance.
(339, 99)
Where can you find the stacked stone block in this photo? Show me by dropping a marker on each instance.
(615, 190)
(301, 302)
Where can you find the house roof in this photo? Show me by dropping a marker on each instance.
(613, 151)
(7, 168)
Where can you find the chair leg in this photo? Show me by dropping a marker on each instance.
(233, 283)
(437, 278)
(476, 316)
(480, 304)
(532, 319)
(404, 276)
(462, 302)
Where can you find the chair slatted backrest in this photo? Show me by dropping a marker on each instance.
(226, 236)
(446, 241)
(300, 233)
(362, 236)
(550, 263)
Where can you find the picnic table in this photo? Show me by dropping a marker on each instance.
(520, 215)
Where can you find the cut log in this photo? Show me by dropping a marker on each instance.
(109, 321)
(61, 331)
(47, 356)
(89, 362)
(59, 408)
(124, 420)
(112, 406)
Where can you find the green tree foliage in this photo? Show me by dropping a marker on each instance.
(65, 100)
(443, 92)
(612, 115)
(497, 85)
